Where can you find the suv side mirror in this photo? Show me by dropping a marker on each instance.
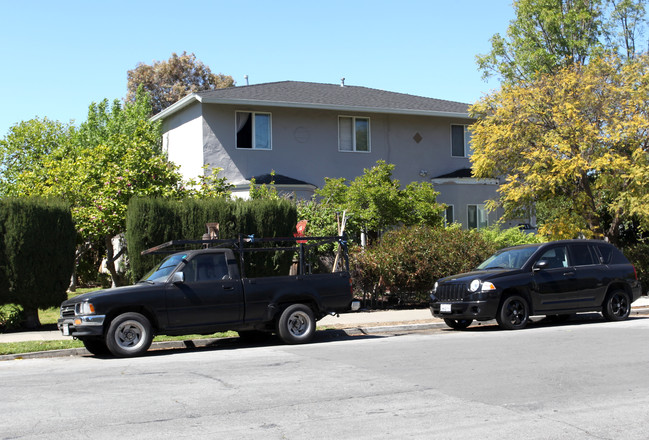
(178, 278)
(540, 265)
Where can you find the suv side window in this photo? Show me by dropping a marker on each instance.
(582, 255)
(556, 257)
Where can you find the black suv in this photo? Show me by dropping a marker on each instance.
(559, 278)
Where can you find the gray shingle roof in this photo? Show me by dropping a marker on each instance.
(334, 95)
(298, 94)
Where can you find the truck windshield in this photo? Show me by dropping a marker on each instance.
(514, 258)
(164, 269)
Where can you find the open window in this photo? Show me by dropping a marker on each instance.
(253, 130)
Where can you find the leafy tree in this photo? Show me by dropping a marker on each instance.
(373, 202)
(575, 141)
(113, 156)
(169, 81)
(25, 147)
(547, 35)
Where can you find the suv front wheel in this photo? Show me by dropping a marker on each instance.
(514, 313)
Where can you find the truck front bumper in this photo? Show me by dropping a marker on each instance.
(84, 325)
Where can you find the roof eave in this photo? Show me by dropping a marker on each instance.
(317, 106)
(177, 106)
(189, 99)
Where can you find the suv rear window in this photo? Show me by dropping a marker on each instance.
(611, 255)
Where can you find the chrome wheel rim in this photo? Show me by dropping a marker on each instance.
(299, 324)
(130, 334)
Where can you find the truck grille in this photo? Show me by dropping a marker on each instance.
(451, 292)
(67, 311)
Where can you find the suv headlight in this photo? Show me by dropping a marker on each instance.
(479, 285)
(435, 287)
(84, 308)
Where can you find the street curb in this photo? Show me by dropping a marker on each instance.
(200, 343)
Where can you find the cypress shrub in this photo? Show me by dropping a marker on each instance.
(38, 243)
(151, 222)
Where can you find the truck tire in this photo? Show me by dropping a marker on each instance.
(296, 324)
(96, 346)
(129, 334)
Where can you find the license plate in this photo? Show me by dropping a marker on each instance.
(445, 308)
(66, 330)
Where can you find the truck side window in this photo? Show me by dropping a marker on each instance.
(206, 267)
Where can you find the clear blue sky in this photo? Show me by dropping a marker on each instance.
(60, 56)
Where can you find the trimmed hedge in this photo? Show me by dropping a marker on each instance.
(37, 245)
(153, 221)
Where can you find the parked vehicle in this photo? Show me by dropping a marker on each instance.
(205, 291)
(556, 279)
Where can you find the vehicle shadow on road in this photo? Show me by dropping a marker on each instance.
(545, 322)
(235, 343)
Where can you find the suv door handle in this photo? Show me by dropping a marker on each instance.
(565, 274)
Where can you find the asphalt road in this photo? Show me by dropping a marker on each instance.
(584, 380)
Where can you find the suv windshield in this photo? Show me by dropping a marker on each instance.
(164, 269)
(508, 258)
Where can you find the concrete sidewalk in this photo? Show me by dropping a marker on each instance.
(417, 318)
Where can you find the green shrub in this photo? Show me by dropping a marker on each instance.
(407, 262)
(638, 254)
(151, 222)
(11, 317)
(502, 238)
(38, 245)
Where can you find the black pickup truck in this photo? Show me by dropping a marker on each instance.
(201, 292)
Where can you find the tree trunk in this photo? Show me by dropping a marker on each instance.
(31, 318)
(118, 280)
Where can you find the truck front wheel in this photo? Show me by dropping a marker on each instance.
(296, 324)
(129, 335)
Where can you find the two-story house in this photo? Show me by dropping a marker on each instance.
(305, 132)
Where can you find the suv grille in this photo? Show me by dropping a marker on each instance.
(451, 292)
(67, 311)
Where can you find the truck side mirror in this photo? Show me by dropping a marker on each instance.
(178, 278)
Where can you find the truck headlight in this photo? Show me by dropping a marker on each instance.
(84, 308)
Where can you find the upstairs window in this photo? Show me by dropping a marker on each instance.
(460, 141)
(353, 134)
(253, 130)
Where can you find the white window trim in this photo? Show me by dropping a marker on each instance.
(270, 130)
(478, 206)
(369, 134)
(446, 222)
(467, 149)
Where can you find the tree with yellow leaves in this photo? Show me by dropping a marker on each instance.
(576, 141)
